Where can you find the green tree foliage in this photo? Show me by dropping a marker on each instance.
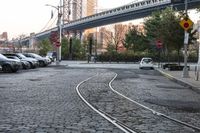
(111, 48)
(45, 46)
(173, 34)
(65, 48)
(153, 26)
(135, 40)
(164, 26)
(78, 50)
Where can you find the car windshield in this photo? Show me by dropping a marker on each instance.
(13, 57)
(2, 56)
(22, 56)
(147, 60)
(49, 54)
(35, 55)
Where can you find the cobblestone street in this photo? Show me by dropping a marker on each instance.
(44, 100)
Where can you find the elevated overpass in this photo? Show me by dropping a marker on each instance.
(124, 13)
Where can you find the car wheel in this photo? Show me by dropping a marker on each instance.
(42, 64)
(24, 66)
(14, 70)
(31, 65)
(6, 68)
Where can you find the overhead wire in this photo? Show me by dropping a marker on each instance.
(53, 23)
(84, 13)
(46, 27)
(43, 29)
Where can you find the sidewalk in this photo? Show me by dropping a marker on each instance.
(177, 77)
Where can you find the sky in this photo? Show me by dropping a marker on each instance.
(27, 16)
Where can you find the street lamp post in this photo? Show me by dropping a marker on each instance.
(58, 8)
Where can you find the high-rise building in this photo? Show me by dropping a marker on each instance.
(76, 9)
(66, 11)
(72, 10)
(91, 7)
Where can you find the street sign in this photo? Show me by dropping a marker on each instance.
(159, 44)
(57, 44)
(54, 38)
(186, 23)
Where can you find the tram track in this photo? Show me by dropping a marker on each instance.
(152, 110)
(112, 120)
(119, 124)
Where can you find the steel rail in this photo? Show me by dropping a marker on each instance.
(153, 111)
(112, 120)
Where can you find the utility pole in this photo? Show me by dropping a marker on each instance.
(60, 30)
(59, 25)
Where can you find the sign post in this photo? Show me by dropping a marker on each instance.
(159, 46)
(197, 67)
(186, 24)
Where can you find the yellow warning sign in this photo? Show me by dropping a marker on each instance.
(186, 23)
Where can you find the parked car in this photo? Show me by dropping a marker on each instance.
(48, 60)
(24, 64)
(9, 65)
(42, 61)
(52, 55)
(33, 62)
(146, 63)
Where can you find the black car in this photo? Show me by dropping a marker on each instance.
(33, 62)
(9, 65)
(24, 64)
(42, 61)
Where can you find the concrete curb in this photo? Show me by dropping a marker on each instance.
(179, 81)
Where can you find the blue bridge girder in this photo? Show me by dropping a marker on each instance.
(124, 13)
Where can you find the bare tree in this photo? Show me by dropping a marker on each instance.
(115, 35)
(19, 40)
